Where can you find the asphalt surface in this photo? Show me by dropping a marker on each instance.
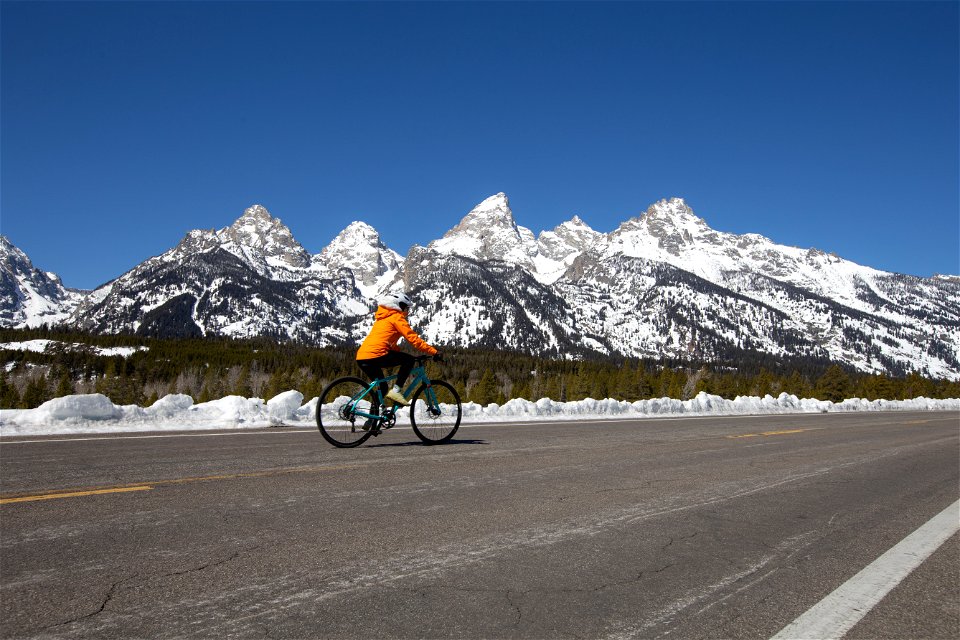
(687, 528)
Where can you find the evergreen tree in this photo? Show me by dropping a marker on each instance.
(644, 386)
(626, 383)
(36, 392)
(875, 388)
(834, 385)
(916, 386)
(280, 381)
(65, 385)
(726, 386)
(763, 386)
(798, 385)
(948, 389)
(242, 386)
(485, 391)
(9, 396)
(521, 390)
(676, 381)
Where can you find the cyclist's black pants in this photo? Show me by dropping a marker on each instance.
(373, 368)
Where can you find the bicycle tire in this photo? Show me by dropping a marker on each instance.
(431, 426)
(335, 421)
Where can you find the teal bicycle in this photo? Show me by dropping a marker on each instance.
(346, 414)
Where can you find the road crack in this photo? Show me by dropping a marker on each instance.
(103, 605)
(217, 563)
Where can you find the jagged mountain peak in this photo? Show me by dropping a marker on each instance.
(669, 226)
(356, 232)
(256, 237)
(497, 203)
(572, 235)
(29, 296)
(575, 223)
(490, 282)
(256, 212)
(672, 213)
(670, 207)
(489, 232)
(15, 261)
(494, 211)
(257, 227)
(8, 249)
(558, 248)
(264, 241)
(360, 249)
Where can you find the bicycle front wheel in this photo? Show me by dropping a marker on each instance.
(435, 412)
(338, 409)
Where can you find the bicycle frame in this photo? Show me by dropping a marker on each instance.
(418, 376)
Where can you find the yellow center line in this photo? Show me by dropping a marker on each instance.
(143, 486)
(768, 433)
(74, 494)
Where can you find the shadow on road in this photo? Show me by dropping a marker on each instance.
(418, 443)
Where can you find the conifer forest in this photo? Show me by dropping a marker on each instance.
(211, 368)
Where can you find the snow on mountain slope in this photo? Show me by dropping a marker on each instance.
(265, 243)
(557, 249)
(257, 238)
(489, 232)
(670, 232)
(249, 279)
(466, 302)
(360, 249)
(30, 297)
(663, 284)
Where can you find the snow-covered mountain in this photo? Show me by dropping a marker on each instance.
(30, 297)
(662, 284)
(249, 279)
(359, 249)
(666, 284)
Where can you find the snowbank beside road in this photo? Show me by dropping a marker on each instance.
(96, 414)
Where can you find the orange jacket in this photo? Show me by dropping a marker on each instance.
(389, 326)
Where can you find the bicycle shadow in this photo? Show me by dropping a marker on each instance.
(419, 443)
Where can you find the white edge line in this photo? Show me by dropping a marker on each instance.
(837, 613)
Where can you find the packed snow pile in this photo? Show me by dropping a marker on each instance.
(96, 414)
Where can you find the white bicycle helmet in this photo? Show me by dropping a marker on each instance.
(395, 300)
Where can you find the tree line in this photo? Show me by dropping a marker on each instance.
(212, 368)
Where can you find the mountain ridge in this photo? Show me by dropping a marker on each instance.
(663, 283)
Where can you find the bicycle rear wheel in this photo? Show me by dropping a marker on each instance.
(337, 409)
(435, 412)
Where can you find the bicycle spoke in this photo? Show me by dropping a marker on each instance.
(435, 412)
(340, 412)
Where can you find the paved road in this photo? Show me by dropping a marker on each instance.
(696, 528)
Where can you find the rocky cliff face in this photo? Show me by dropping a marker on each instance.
(359, 249)
(30, 297)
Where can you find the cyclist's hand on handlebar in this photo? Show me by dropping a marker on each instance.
(438, 357)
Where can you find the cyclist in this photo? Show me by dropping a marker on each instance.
(379, 349)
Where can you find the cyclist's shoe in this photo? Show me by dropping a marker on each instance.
(397, 397)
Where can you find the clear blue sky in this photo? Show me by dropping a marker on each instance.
(817, 124)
